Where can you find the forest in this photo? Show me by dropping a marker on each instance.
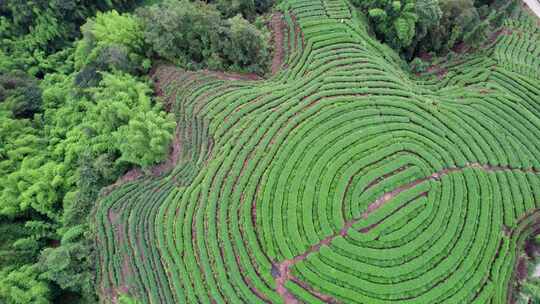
(78, 108)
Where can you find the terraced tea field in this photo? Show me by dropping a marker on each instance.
(341, 179)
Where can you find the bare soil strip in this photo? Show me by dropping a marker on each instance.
(282, 272)
(277, 24)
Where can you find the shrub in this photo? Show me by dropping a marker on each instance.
(393, 21)
(182, 32)
(244, 47)
(194, 35)
(20, 94)
(111, 41)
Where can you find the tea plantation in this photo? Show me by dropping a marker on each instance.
(343, 178)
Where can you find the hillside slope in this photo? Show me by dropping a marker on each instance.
(341, 179)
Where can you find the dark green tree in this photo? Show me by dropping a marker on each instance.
(194, 35)
(182, 32)
(244, 47)
(111, 41)
(394, 22)
(33, 30)
(71, 265)
(20, 93)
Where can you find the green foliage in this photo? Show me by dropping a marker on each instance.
(21, 154)
(111, 41)
(117, 98)
(59, 137)
(466, 21)
(247, 8)
(83, 128)
(145, 140)
(429, 13)
(20, 94)
(182, 32)
(41, 188)
(15, 249)
(123, 119)
(126, 299)
(194, 35)
(393, 21)
(32, 30)
(244, 47)
(78, 203)
(23, 285)
(415, 26)
(54, 167)
(459, 17)
(418, 65)
(71, 264)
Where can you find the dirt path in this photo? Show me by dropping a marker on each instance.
(281, 271)
(534, 5)
(278, 26)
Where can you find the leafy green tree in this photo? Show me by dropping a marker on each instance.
(194, 35)
(59, 138)
(247, 8)
(54, 166)
(71, 264)
(118, 100)
(230, 8)
(393, 21)
(20, 93)
(429, 12)
(182, 32)
(78, 204)
(244, 47)
(33, 30)
(145, 140)
(415, 26)
(111, 41)
(459, 17)
(15, 252)
(429, 16)
(22, 286)
(20, 151)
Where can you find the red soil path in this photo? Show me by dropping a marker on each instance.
(278, 25)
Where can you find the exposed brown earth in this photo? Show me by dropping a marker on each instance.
(278, 25)
(130, 176)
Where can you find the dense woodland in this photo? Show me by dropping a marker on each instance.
(77, 109)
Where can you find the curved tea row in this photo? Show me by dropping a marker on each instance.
(341, 179)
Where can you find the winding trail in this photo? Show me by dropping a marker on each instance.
(281, 271)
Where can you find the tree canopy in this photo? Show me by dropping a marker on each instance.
(63, 136)
(195, 35)
(414, 26)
